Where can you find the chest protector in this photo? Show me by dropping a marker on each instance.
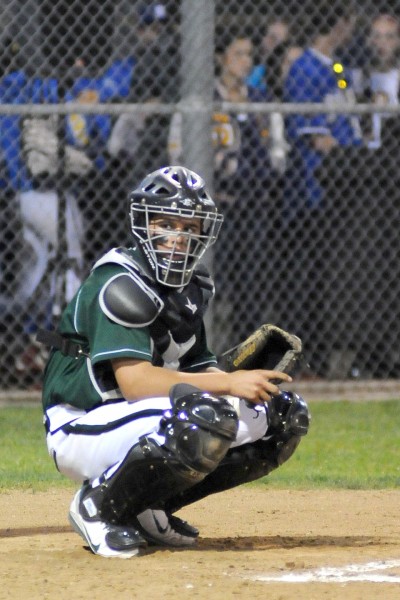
(134, 299)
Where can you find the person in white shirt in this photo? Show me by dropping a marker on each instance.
(382, 74)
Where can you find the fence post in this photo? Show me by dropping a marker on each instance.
(197, 76)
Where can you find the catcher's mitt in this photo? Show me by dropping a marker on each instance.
(269, 347)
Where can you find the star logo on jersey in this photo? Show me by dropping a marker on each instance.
(192, 307)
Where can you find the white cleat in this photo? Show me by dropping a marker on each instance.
(103, 538)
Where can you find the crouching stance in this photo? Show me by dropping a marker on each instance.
(136, 409)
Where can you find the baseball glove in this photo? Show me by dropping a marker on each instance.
(269, 347)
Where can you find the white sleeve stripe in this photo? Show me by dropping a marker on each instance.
(76, 311)
(211, 361)
(119, 350)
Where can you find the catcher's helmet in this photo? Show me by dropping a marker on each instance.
(173, 193)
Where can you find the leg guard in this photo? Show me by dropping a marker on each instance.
(198, 432)
(289, 421)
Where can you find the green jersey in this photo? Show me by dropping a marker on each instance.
(176, 339)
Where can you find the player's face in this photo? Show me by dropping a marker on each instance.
(173, 233)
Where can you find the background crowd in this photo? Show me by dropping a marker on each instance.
(301, 193)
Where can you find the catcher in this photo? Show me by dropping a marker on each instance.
(136, 408)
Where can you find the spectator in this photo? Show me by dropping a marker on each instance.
(12, 83)
(278, 50)
(276, 33)
(382, 75)
(60, 155)
(89, 134)
(137, 73)
(146, 70)
(240, 140)
(316, 187)
(153, 78)
(12, 177)
(316, 77)
(376, 205)
(342, 234)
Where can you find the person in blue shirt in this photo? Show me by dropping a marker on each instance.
(145, 70)
(316, 77)
(336, 191)
(134, 73)
(12, 177)
(61, 155)
(13, 81)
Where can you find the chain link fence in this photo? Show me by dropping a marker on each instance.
(288, 109)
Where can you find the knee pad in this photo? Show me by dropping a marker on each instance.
(288, 413)
(198, 431)
(289, 420)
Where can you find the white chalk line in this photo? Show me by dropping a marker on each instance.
(371, 572)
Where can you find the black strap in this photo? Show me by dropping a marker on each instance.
(85, 429)
(60, 342)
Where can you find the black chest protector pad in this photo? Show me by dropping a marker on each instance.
(183, 311)
(128, 301)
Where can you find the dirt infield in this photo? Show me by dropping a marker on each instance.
(329, 544)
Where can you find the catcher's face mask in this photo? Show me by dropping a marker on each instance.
(174, 220)
(173, 243)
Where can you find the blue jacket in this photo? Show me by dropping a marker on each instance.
(310, 79)
(116, 83)
(16, 88)
(12, 174)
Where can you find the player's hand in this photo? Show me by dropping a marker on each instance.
(257, 386)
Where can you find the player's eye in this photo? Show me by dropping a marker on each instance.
(165, 225)
(168, 226)
(193, 228)
(189, 229)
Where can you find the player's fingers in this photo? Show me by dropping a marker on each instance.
(271, 388)
(259, 397)
(278, 375)
(264, 397)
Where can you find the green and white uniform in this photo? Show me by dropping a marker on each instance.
(88, 381)
(90, 426)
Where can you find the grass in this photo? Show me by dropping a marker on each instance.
(24, 460)
(350, 446)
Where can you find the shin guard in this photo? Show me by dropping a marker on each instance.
(198, 432)
(289, 421)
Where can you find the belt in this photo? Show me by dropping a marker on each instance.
(60, 342)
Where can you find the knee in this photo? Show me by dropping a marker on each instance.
(288, 414)
(289, 421)
(200, 428)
